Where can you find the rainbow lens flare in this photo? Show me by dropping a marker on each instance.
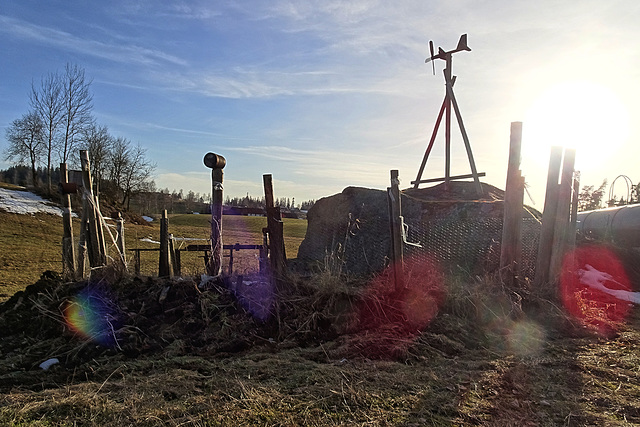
(89, 314)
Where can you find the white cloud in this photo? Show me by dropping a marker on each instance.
(69, 42)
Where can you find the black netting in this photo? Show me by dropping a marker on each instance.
(471, 244)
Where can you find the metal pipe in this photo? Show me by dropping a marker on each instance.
(619, 225)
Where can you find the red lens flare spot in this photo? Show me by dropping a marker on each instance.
(594, 287)
(390, 318)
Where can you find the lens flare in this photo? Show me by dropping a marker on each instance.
(390, 317)
(594, 287)
(89, 314)
(525, 338)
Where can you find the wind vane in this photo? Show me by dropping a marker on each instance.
(449, 101)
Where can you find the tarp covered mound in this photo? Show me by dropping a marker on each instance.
(349, 232)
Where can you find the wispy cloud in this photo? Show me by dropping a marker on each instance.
(69, 42)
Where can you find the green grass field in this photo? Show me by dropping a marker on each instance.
(31, 244)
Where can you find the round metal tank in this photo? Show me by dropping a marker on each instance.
(619, 225)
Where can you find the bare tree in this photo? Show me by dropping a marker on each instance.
(118, 161)
(590, 198)
(137, 174)
(129, 169)
(97, 141)
(77, 108)
(47, 102)
(26, 142)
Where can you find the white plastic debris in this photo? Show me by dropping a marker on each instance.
(49, 363)
(596, 279)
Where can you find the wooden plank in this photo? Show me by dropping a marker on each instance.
(275, 228)
(563, 212)
(512, 215)
(466, 176)
(68, 248)
(96, 254)
(237, 247)
(120, 243)
(548, 218)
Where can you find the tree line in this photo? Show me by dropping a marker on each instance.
(592, 197)
(59, 123)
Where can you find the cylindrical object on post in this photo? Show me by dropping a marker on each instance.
(214, 161)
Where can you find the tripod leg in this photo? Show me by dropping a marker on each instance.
(432, 140)
(465, 138)
(430, 146)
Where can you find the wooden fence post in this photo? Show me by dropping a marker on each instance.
(561, 232)
(216, 162)
(395, 224)
(275, 229)
(97, 257)
(511, 247)
(68, 249)
(164, 267)
(548, 218)
(83, 250)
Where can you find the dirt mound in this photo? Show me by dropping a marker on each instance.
(77, 323)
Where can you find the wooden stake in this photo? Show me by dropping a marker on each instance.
(563, 212)
(216, 162)
(510, 249)
(395, 223)
(215, 263)
(275, 229)
(68, 249)
(548, 218)
(164, 264)
(97, 256)
(120, 240)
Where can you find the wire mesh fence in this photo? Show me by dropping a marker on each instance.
(456, 238)
(471, 244)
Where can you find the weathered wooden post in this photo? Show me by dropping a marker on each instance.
(83, 250)
(216, 162)
(548, 218)
(395, 223)
(561, 224)
(97, 257)
(275, 229)
(511, 247)
(571, 243)
(68, 249)
(164, 264)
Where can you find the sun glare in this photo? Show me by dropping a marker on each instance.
(577, 114)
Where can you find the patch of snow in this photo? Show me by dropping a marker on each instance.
(596, 279)
(147, 218)
(24, 202)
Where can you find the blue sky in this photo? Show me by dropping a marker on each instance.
(328, 94)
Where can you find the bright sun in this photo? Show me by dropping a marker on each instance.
(578, 114)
